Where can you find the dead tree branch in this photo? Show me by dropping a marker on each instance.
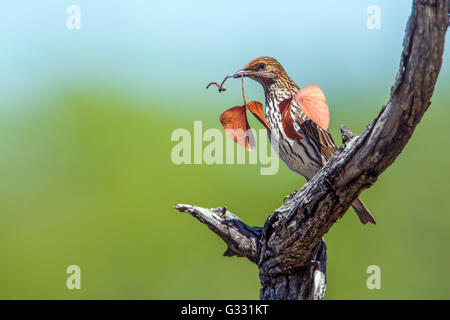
(289, 250)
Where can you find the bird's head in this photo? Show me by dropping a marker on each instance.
(265, 70)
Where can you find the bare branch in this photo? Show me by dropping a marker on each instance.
(346, 134)
(240, 238)
(289, 250)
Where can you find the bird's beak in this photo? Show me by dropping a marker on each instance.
(240, 73)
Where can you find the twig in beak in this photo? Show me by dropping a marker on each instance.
(220, 86)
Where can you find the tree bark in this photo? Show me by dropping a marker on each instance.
(289, 250)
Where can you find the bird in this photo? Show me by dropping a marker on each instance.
(298, 128)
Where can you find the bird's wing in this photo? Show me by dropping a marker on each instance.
(307, 127)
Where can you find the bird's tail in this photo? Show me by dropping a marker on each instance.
(362, 212)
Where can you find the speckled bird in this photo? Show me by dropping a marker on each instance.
(308, 145)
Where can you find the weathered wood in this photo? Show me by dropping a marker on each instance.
(241, 239)
(289, 250)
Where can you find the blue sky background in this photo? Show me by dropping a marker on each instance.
(156, 49)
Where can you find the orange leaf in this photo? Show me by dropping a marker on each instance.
(234, 121)
(256, 108)
(286, 120)
(313, 103)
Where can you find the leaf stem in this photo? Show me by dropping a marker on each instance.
(243, 93)
(282, 81)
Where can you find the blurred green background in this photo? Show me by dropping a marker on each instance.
(86, 176)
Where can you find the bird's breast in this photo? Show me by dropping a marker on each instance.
(272, 111)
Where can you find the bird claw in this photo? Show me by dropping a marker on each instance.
(289, 196)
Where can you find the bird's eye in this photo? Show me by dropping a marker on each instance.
(262, 66)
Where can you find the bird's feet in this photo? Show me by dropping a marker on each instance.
(289, 196)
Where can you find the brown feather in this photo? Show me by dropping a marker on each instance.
(322, 138)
